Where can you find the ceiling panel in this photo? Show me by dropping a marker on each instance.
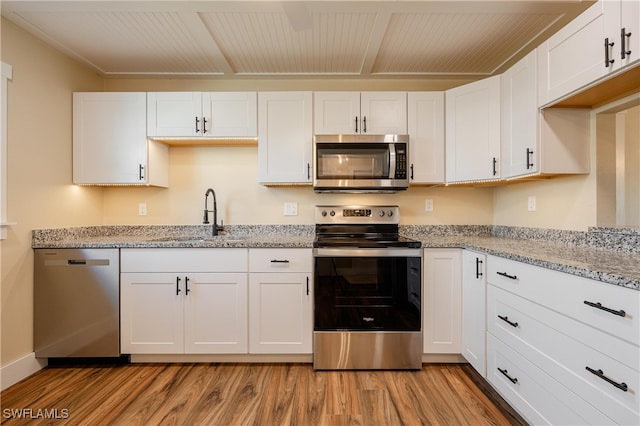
(131, 42)
(268, 43)
(455, 43)
(283, 38)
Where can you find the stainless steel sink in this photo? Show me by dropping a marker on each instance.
(195, 239)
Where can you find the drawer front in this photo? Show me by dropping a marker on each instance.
(565, 348)
(595, 303)
(533, 393)
(184, 260)
(280, 260)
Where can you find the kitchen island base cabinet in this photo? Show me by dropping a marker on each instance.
(170, 304)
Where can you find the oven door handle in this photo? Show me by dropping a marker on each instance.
(368, 252)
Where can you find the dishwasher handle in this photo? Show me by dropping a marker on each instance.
(76, 262)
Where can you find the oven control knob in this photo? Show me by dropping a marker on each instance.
(381, 213)
(390, 213)
(324, 213)
(332, 213)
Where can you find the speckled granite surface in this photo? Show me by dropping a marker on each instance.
(606, 254)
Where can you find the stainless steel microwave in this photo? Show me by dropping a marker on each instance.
(360, 163)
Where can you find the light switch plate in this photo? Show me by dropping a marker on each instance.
(428, 205)
(142, 209)
(531, 203)
(291, 209)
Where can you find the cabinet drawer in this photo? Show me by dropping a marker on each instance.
(564, 348)
(280, 260)
(533, 393)
(183, 260)
(572, 296)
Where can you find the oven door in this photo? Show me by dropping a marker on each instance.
(367, 289)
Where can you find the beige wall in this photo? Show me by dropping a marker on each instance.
(40, 193)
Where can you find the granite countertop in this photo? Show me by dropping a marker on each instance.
(621, 268)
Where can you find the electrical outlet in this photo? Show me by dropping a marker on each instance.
(142, 209)
(291, 209)
(428, 205)
(531, 203)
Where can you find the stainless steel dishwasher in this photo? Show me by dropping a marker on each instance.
(77, 303)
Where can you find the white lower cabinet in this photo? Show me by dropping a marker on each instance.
(280, 301)
(474, 284)
(562, 349)
(441, 301)
(170, 306)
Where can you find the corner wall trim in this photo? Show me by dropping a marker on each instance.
(19, 369)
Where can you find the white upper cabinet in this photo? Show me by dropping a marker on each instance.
(551, 141)
(589, 48)
(285, 137)
(110, 145)
(473, 131)
(425, 125)
(202, 114)
(360, 113)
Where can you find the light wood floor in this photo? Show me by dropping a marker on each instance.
(253, 394)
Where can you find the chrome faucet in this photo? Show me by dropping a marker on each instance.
(205, 221)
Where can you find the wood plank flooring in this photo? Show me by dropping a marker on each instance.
(252, 394)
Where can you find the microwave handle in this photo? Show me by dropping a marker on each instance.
(392, 161)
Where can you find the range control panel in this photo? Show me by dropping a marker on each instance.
(357, 214)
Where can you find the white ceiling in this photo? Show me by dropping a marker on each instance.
(294, 38)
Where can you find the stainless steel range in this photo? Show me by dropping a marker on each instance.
(367, 312)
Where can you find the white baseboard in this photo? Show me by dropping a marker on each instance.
(19, 369)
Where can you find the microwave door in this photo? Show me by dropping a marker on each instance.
(359, 162)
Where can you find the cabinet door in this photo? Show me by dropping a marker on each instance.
(473, 131)
(520, 118)
(280, 313)
(336, 113)
(215, 313)
(230, 114)
(474, 328)
(151, 314)
(109, 138)
(425, 125)
(383, 113)
(575, 55)
(174, 114)
(630, 30)
(285, 137)
(441, 304)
